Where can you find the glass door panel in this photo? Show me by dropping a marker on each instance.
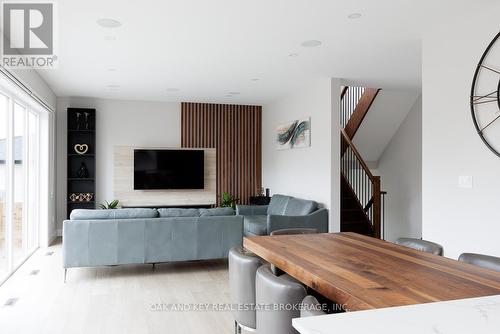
(33, 182)
(19, 213)
(19, 180)
(4, 256)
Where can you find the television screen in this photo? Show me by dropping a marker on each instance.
(169, 169)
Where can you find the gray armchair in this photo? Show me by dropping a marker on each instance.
(283, 212)
(421, 245)
(272, 293)
(242, 268)
(480, 260)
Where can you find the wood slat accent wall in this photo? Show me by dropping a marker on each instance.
(235, 131)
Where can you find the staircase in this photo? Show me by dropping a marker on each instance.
(361, 197)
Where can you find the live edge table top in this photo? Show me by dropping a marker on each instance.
(364, 273)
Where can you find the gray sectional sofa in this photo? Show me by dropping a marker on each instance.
(132, 236)
(283, 212)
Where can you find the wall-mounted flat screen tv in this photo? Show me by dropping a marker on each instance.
(169, 169)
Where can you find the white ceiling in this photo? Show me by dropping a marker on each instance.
(207, 48)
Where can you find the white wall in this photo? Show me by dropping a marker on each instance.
(462, 220)
(34, 81)
(382, 121)
(306, 172)
(400, 170)
(119, 123)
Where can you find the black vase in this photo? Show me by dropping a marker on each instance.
(83, 172)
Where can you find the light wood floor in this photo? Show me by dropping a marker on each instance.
(113, 299)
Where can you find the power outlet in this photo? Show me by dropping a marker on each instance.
(465, 181)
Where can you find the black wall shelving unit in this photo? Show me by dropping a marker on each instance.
(81, 131)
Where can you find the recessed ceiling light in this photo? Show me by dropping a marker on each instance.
(110, 38)
(293, 55)
(173, 89)
(233, 93)
(109, 23)
(354, 16)
(310, 43)
(111, 69)
(113, 86)
(255, 79)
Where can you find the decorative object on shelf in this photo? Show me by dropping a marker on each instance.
(268, 192)
(81, 148)
(485, 96)
(109, 205)
(83, 171)
(81, 197)
(74, 197)
(87, 126)
(296, 134)
(87, 197)
(228, 201)
(78, 120)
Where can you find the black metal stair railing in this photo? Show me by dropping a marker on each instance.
(349, 100)
(362, 182)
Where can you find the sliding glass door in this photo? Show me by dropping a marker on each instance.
(4, 121)
(19, 181)
(19, 219)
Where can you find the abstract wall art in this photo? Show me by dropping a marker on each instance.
(296, 134)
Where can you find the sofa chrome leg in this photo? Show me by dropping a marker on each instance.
(154, 265)
(65, 272)
(236, 327)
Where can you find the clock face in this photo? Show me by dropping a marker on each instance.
(485, 96)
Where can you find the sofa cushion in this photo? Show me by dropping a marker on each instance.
(278, 204)
(300, 207)
(217, 212)
(131, 213)
(255, 225)
(178, 212)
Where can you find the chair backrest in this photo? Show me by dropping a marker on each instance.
(480, 260)
(289, 231)
(421, 245)
(242, 269)
(277, 205)
(300, 207)
(279, 299)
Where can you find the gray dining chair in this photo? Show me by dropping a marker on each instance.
(310, 307)
(480, 260)
(243, 266)
(289, 231)
(279, 299)
(421, 245)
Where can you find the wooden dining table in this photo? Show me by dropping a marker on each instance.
(362, 273)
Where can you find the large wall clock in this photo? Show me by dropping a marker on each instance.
(485, 96)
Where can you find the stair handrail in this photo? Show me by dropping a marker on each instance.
(372, 201)
(358, 155)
